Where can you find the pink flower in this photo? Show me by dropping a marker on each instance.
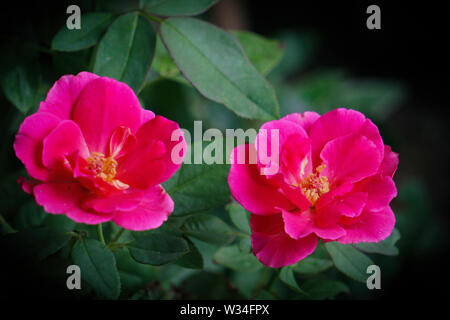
(95, 155)
(334, 182)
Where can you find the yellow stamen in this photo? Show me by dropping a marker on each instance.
(315, 185)
(105, 168)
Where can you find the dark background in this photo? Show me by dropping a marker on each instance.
(410, 47)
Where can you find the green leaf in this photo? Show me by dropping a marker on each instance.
(239, 216)
(34, 245)
(233, 258)
(207, 251)
(265, 295)
(245, 245)
(319, 289)
(349, 261)
(30, 215)
(93, 24)
(163, 63)
(126, 51)
(287, 276)
(133, 275)
(198, 188)
(158, 248)
(311, 265)
(98, 267)
(213, 61)
(247, 283)
(208, 228)
(59, 221)
(177, 7)
(264, 53)
(21, 87)
(193, 259)
(386, 247)
(170, 227)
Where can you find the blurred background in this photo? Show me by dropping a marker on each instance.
(397, 76)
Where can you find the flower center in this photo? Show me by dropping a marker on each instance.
(103, 167)
(314, 185)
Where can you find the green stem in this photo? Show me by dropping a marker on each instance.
(100, 233)
(152, 17)
(116, 245)
(74, 234)
(240, 234)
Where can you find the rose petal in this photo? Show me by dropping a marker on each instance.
(60, 149)
(125, 200)
(370, 226)
(350, 158)
(296, 161)
(338, 123)
(268, 150)
(146, 115)
(90, 181)
(273, 247)
(390, 162)
(62, 96)
(104, 105)
(296, 196)
(81, 216)
(150, 162)
(250, 188)
(380, 189)
(349, 205)
(29, 142)
(155, 208)
(305, 119)
(333, 194)
(122, 141)
(301, 224)
(64, 198)
(27, 185)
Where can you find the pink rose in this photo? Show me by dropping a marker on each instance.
(334, 182)
(95, 155)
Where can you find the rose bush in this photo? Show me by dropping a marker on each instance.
(334, 182)
(95, 155)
